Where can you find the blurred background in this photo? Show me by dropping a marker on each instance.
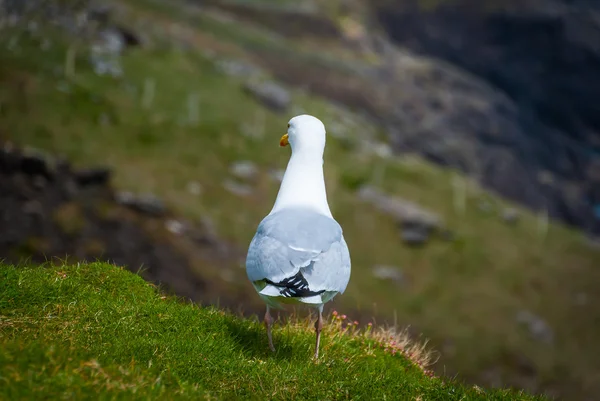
(463, 159)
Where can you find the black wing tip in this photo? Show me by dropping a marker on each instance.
(295, 287)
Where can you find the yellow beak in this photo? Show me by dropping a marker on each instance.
(284, 141)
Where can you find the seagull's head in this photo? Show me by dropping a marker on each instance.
(306, 134)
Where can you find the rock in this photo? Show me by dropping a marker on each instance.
(147, 203)
(35, 163)
(414, 233)
(33, 207)
(272, 95)
(125, 198)
(92, 176)
(10, 159)
(63, 167)
(21, 185)
(104, 66)
(65, 179)
(194, 188)
(38, 182)
(390, 273)
(538, 328)
(382, 150)
(150, 204)
(69, 187)
(406, 212)
(237, 189)
(100, 13)
(130, 38)
(107, 49)
(114, 39)
(175, 226)
(510, 216)
(237, 68)
(245, 170)
(277, 175)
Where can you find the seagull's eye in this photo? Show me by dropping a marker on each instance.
(288, 125)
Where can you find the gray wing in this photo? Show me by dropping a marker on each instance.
(300, 250)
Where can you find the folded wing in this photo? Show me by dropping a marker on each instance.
(298, 253)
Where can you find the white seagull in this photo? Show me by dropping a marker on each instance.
(298, 254)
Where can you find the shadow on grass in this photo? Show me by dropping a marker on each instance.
(253, 340)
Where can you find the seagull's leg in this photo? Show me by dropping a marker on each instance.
(318, 328)
(269, 325)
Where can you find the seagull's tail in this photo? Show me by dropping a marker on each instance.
(315, 299)
(273, 291)
(270, 291)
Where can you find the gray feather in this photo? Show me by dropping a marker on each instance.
(300, 240)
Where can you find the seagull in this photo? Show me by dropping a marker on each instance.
(298, 254)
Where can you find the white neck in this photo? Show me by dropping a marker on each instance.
(303, 185)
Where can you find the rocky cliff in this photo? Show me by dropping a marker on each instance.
(545, 57)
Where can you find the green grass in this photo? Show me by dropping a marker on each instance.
(465, 293)
(100, 332)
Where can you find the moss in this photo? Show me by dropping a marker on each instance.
(94, 331)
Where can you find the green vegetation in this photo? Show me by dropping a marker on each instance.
(100, 332)
(464, 293)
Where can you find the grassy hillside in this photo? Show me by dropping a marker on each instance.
(100, 332)
(464, 294)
